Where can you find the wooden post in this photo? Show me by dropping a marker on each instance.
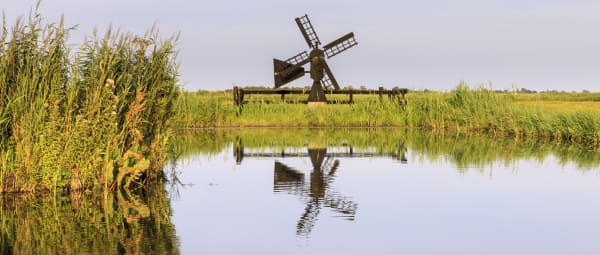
(238, 151)
(351, 98)
(241, 93)
(236, 95)
(380, 94)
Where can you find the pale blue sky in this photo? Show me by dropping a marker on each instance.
(433, 44)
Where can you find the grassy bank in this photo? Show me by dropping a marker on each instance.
(95, 118)
(571, 117)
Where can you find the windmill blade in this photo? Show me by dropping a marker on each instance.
(338, 46)
(327, 163)
(309, 218)
(300, 59)
(308, 31)
(287, 179)
(333, 168)
(328, 81)
(342, 205)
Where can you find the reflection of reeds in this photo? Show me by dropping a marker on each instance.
(576, 118)
(72, 117)
(88, 223)
(463, 150)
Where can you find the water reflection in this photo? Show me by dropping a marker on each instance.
(313, 183)
(123, 222)
(315, 187)
(317, 192)
(465, 151)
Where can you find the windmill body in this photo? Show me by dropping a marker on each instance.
(291, 69)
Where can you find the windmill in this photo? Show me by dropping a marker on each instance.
(291, 69)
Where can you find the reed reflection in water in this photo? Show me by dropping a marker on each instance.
(123, 222)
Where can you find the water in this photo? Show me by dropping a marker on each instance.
(331, 191)
(295, 192)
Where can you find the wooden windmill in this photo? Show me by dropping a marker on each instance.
(292, 68)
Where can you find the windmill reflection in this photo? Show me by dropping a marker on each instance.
(315, 191)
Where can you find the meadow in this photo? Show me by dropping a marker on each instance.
(559, 116)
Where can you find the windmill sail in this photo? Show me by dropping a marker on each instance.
(338, 46)
(328, 80)
(300, 59)
(308, 31)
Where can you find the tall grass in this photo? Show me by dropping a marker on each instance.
(93, 118)
(463, 109)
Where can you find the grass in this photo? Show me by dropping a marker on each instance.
(573, 117)
(565, 106)
(89, 119)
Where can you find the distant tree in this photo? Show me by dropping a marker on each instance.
(526, 91)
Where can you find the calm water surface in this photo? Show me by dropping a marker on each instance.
(384, 192)
(331, 191)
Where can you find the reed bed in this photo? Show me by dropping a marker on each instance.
(462, 110)
(99, 117)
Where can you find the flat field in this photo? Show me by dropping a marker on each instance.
(552, 115)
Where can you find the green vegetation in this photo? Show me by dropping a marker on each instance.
(88, 223)
(559, 96)
(96, 118)
(465, 150)
(547, 116)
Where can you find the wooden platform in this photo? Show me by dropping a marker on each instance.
(397, 94)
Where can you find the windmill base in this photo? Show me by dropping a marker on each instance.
(316, 93)
(240, 95)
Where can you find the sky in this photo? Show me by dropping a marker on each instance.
(427, 44)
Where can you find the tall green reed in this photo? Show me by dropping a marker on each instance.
(94, 118)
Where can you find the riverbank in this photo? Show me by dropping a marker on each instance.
(573, 117)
